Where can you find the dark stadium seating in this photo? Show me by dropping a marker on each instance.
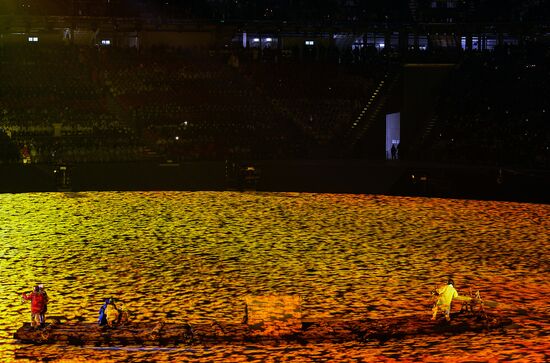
(495, 111)
(51, 106)
(87, 104)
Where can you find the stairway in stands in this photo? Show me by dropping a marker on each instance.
(413, 8)
(416, 148)
(428, 129)
(371, 112)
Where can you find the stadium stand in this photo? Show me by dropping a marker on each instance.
(495, 111)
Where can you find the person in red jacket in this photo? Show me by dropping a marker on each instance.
(39, 302)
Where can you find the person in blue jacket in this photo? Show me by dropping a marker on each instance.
(102, 320)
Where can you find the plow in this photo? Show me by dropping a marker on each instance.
(263, 325)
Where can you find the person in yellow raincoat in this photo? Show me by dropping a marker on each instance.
(446, 294)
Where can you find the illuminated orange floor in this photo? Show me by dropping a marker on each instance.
(194, 256)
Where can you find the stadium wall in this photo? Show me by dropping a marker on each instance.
(317, 176)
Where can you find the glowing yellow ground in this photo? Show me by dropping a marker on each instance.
(178, 256)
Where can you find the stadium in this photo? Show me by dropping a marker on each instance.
(274, 181)
(276, 96)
